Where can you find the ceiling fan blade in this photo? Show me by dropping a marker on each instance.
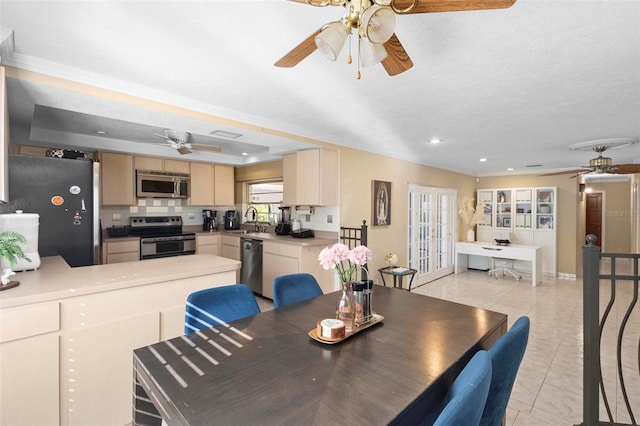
(567, 172)
(397, 60)
(206, 147)
(167, 138)
(298, 53)
(431, 6)
(183, 150)
(625, 169)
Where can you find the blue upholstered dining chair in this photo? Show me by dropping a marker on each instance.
(468, 393)
(208, 308)
(293, 288)
(506, 356)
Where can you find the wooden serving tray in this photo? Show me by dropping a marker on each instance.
(375, 319)
(11, 284)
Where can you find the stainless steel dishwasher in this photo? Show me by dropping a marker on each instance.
(251, 258)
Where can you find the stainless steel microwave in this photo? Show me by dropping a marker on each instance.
(152, 184)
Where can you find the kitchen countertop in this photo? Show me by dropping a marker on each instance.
(323, 238)
(55, 279)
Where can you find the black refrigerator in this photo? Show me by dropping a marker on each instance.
(64, 192)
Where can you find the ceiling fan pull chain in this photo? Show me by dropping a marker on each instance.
(358, 73)
(349, 59)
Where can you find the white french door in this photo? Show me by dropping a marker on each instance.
(431, 232)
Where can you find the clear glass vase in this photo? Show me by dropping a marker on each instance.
(344, 307)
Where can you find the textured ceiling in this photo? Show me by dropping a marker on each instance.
(517, 86)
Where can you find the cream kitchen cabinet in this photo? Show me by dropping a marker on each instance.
(148, 163)
(160, 164)
(98, 335)
(96, 369)
(29, 367)
(121, 251)
(68, 359)
(211, 185)
(117, 179)
(224, 184)
(283, 259)
(230, 248)
(310, 177)
(208, 244)
(278, 259)
(202, 189)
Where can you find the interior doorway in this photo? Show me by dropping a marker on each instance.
(593, 217)
(431, 232)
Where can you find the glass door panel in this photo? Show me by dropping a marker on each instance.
(524, 213)
(431, 240)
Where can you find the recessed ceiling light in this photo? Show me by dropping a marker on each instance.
(101, 132)
(226, 134)
(483, 160)
(510, 169)
(435, 141)
(245, 153)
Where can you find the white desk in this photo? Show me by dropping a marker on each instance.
(514, 251)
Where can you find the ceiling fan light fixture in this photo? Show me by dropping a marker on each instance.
(371, 53)
(601, 162)
(176, 135)
(331, 39)
(378, 23)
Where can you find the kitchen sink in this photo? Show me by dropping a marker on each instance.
(239, 231)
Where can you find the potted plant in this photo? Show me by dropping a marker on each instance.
(11, 250)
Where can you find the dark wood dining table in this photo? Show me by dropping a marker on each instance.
(266, 369)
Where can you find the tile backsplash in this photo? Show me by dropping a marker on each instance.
(191, 215)
(322, 218)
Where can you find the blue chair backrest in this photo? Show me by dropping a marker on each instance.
(293, 288)
(506, 356)
(468, 393)
(213, 306)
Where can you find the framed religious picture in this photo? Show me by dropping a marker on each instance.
(381, 200)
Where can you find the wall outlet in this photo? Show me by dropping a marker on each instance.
(329, 218)
(117, 217)
(191, 216)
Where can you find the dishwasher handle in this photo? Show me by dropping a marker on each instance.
(248, 244)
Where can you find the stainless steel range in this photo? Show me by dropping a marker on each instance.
(161, 236)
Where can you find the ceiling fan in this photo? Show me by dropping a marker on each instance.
(374, 23)
(601, 164)
(180, 142)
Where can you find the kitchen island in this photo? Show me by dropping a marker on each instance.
(67, 334)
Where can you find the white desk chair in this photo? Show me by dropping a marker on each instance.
(502, 266)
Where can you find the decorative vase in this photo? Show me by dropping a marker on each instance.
(471, 235)
(344, 307)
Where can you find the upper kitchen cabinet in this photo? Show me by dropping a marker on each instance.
(310, 177)
(117, 183)
(224, 183)
(160, 164)
(211, 185)
(202, 190)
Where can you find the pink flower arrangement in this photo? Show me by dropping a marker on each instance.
(344, 260)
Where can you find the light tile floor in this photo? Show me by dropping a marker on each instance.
(548, 389)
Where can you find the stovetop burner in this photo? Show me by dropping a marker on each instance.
(156, 226)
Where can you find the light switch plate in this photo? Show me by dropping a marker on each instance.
(117, 217)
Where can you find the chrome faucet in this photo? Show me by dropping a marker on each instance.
(254, 214)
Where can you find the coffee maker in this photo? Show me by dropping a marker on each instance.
(284, 225)
(232, 219)
(209, 222)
